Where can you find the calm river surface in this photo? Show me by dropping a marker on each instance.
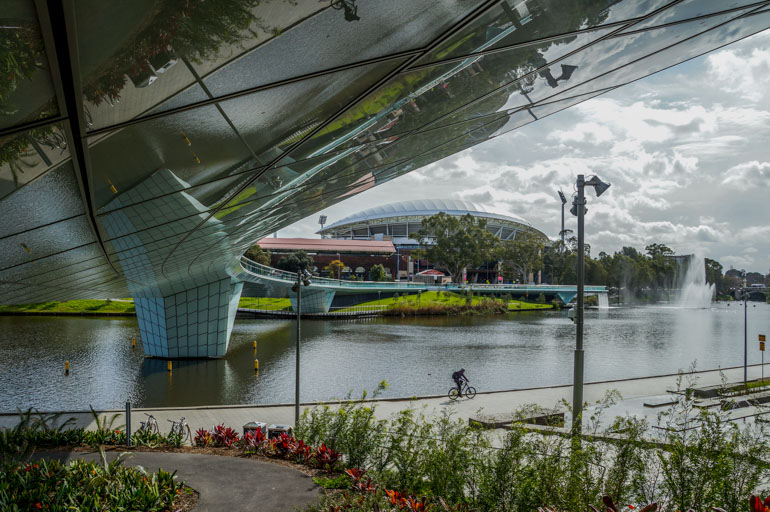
(415, 356)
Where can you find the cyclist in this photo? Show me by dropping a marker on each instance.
(459, 377)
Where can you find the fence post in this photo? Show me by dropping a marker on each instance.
(128, 423)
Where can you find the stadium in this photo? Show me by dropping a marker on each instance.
(399, 222)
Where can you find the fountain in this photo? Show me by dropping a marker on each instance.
(695, 292)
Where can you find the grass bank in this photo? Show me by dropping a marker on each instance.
(449, 303)
(74, 307)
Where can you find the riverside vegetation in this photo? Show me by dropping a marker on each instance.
(691, 459)
(688, 460)
(27, 484)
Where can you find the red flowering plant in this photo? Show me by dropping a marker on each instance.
(757, 505)
(203, 437)
(224, 436)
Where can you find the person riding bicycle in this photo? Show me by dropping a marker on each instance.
(459, 377)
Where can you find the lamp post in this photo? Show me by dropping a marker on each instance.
(745, 334)
(563, 202)
(579, 209)
(339, 269)
(303, 278)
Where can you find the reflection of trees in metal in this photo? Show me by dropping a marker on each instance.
(22, 54)
(350, 7)
(22, 151)
(195, 30)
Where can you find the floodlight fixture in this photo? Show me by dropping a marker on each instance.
(562, 197)
(599, 186)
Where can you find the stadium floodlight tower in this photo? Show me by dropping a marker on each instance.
(563, 202)
(579, 209)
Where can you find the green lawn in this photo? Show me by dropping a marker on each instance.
(446, 298)
(264, 303)
(127, 305)
(73, 306)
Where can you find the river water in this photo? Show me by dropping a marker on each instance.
(415, 355)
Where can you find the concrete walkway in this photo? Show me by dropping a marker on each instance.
(225, 483)
(493, 403)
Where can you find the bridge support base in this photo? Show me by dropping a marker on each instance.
(313, 300)
(194, 323)
(566, 297)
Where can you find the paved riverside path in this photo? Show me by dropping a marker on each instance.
(225, 483)
(494, 403)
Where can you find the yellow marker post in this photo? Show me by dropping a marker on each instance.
(168, 365)
(255, 345)
(133, 342)
(66, 367)
(256, 365)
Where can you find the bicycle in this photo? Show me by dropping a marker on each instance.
(468, 391)
(181, 429)
(151, 425)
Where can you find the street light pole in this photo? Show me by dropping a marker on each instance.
(577, 386)
(296, 371)
(303, 277)
(579, 210)
(745, 336)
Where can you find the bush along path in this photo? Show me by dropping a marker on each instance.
(692, 460)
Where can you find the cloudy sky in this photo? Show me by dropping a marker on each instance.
(687, 152)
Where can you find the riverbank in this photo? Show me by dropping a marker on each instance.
(424, 304)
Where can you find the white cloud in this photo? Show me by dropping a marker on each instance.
(742, 71)
(748, 175)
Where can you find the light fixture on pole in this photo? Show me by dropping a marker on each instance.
(322, 221)
(303, 279)
(579, 209)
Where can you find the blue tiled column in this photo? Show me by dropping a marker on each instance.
(314, 300)
(194, 323)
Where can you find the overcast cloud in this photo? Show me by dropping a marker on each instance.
(687, 151)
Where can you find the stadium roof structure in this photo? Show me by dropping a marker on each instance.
(402, 219)
(328, 245)
(422, 207)
(145, 145)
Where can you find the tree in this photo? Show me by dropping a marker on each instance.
(258, 255)
(455, 243)
(655, 250)
(377, 272)
(522, 255)
(295, 262)
(335, 269)
(714, 274)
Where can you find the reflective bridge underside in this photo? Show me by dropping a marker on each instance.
(145, 145)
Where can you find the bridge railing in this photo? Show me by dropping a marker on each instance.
(255, 268)
(263, 270)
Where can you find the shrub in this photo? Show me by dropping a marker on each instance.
(82, 485)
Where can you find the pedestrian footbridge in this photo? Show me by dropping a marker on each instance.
(318, 295)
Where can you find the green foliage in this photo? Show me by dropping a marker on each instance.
(540, 299)
(521, 256)
(82, 485)
(295, 262)
(701, 461)
(377, 272)
(456, 242)
(341, 481)
(259, 255)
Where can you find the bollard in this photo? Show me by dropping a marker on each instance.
(168, 365)
(255, 345)
(128, 423)
(66, 367)
(256, 365)
(133, 342)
